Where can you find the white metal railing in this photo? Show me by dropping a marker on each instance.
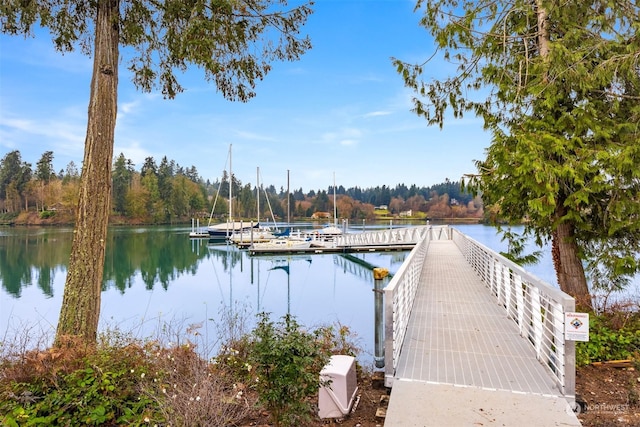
(534, 305)
(399, 295)
(398, 236)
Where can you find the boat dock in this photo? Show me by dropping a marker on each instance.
(400, 239)
(469, 337)
(473, 339)
(328, 248)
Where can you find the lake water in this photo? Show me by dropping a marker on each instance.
(156, 276)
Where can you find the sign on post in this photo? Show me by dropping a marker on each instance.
(576, 326)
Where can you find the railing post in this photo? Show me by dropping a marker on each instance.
(497, 271)
(508, 291)
(389, 338)
(536, 319)
(569, 383)
(520, 309)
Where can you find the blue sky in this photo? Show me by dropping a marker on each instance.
(341, 109)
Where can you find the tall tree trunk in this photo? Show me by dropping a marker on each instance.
(81, 302)
(544, 40)
(566, 259)
(568, 264)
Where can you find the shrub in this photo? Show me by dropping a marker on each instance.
(47, 214)
(74, 385)
(125, 381)
(287, 362)
(609, 339)
(190, 391)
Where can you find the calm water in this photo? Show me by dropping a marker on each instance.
(156, 275)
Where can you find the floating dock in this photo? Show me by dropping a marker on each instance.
(319, 248)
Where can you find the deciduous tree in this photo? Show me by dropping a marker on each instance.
(558, 87)
(233, 41)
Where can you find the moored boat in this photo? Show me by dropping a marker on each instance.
(282, 244)
(225, 230)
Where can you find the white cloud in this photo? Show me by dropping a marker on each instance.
(377, 114)
(132, 150)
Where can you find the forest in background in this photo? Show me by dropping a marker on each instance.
(166, 192)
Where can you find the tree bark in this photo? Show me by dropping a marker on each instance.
(544, 40)
(568, 264)
(80, 310)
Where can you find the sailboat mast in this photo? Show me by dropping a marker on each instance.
(288, 202)
(230, 187)
(258, 193)
(335, 208)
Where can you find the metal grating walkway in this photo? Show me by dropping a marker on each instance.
(460, 341)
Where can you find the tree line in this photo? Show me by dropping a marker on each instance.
(167, 192)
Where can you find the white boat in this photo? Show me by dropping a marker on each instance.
(330, 230)
(282, 244)
(258, 234)
(223, 231)
(251, 236)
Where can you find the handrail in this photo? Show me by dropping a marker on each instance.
(534, 305)
(399, 295)
(405, 236)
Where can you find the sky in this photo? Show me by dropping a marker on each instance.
(340, 112)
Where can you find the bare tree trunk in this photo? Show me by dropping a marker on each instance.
(544, 40)
(568, 265)
(80, 310)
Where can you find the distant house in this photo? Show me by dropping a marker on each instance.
(381, 208)
(321, 215)
(55, 207)
(406, 213)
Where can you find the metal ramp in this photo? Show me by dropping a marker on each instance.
(463, 361)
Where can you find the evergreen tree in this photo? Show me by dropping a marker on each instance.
(558, 87)
(122, 176)
(44, 167)
(14, 177)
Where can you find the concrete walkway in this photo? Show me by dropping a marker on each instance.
(463, 361)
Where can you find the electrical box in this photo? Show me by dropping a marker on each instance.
(336, 399)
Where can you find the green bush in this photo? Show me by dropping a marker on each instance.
(287, 362)
(47, 214)
(100, 388)
(609, 339)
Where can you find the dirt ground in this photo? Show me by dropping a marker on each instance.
(610, 397)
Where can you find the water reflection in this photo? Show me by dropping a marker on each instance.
(155, 275)
(31, 257)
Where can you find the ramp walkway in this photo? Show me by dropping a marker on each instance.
(463, 361)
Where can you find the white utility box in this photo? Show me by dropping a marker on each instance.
(336, 399)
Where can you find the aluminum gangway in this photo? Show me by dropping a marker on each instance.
(474, 339)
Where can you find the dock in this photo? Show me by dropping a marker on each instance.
(319, 248)
(464, 361)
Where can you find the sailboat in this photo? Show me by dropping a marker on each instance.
(259, 233)
(222, 232)
(331, 230)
